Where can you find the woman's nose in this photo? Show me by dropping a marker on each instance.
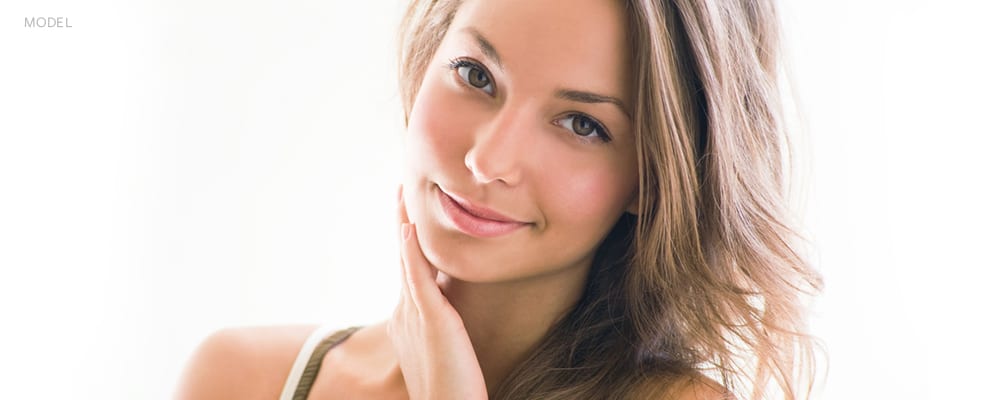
(501, 147)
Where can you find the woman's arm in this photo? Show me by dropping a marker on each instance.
(698, 388)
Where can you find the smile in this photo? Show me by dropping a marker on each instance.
(474, 225)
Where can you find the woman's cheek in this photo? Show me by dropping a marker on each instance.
(441, 124)
(586, 201)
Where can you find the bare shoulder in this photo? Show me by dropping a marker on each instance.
(242, 363)
(697, 387)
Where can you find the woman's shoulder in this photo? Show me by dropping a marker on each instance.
(696, 386)
(243, 362)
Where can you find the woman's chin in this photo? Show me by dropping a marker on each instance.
(445, 252)
(456, 264)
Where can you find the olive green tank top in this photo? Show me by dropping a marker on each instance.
(306, 367)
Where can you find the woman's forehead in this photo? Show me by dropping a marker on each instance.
(577, 44)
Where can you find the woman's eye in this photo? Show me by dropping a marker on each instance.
(474, 75)
(582, 125)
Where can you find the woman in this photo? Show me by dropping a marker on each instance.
(592, 208)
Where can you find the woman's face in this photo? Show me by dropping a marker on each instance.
(523, 109)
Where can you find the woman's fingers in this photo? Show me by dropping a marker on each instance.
(406, 294)
(403, 218)
(419, 272)
(401, 204)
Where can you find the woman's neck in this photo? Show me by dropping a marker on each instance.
(506, 320)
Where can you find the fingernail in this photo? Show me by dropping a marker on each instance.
(406, 231)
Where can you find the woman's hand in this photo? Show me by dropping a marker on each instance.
(428, 336)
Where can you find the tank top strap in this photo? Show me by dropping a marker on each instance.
(303, 373)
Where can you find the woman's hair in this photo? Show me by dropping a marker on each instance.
(708, 276)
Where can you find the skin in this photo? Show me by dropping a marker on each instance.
(507, 146)
(471, 308)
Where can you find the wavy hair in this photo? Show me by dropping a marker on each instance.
(709, 276)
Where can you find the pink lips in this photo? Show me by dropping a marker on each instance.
(476, 221)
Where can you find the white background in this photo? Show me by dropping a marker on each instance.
(168, 168)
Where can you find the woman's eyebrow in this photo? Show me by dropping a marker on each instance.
(588, 97)
(573, 95)
(485, 46)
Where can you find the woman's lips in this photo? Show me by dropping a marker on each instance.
(475, 225)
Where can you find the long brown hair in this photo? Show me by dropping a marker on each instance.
(708, 276)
